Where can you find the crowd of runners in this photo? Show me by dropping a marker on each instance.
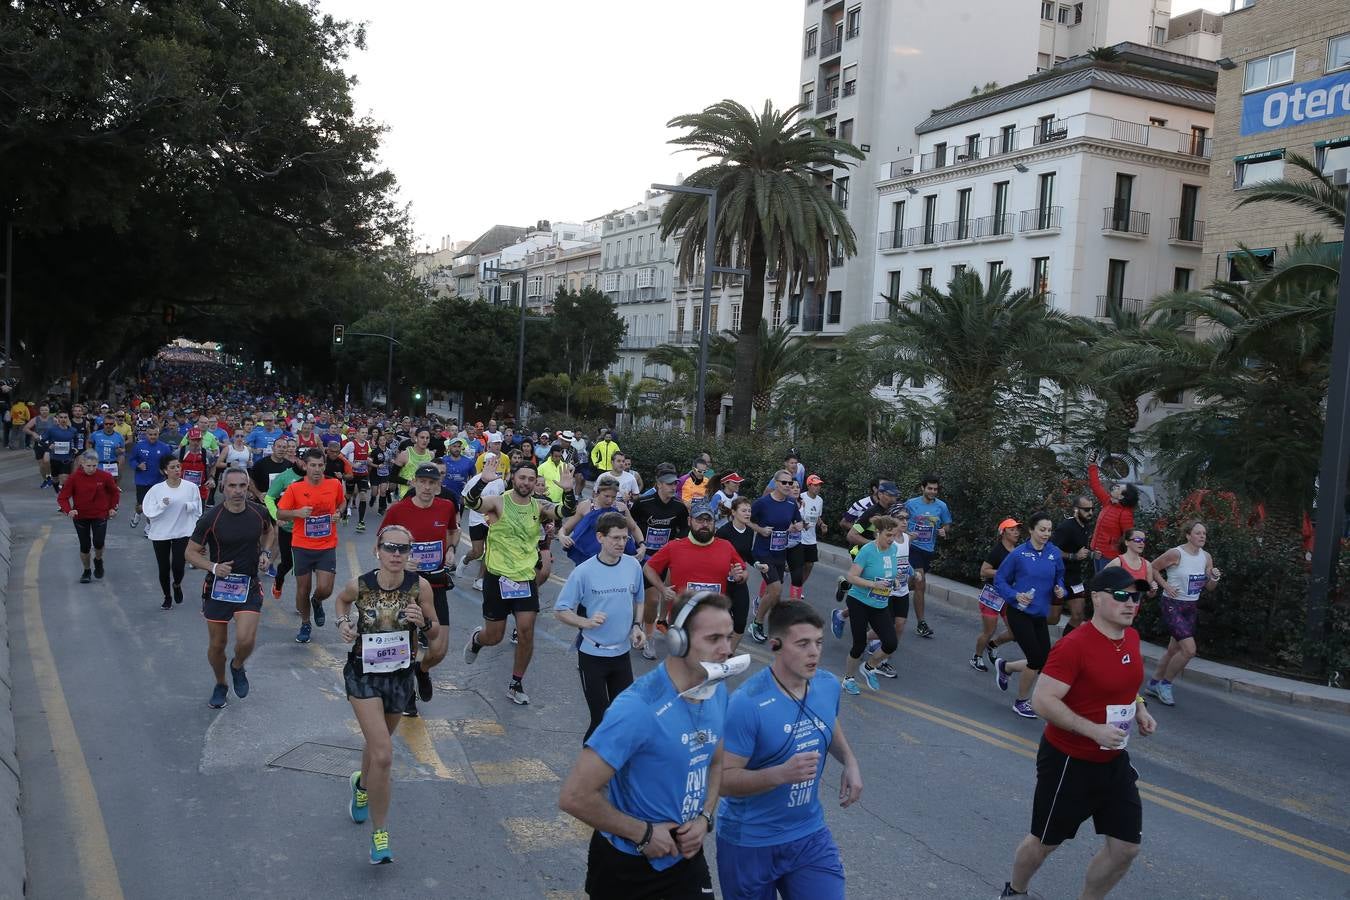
(254, 487)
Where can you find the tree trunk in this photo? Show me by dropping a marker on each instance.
(747, 341)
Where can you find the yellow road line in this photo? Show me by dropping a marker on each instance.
(415, 737)
(92, 850)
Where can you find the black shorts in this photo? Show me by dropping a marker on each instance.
(141, 491)
(810, 553)
(360, 485)
(307, 561)
(441, 600)
(1031, 633)
(39, 450)
(61, 466)
(496, 608)
(478, 532)
(899, 606)
(740, 605)
(394, 688)
(921, 559)
(1069, 791)
(776, 569)
(220, 611)
(614, 875)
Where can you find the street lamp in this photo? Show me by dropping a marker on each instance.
(494, 273)
(708, 271)
(340, 332)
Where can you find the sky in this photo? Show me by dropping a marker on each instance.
(519, 110)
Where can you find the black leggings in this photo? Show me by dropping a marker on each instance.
(284, 551)
(739, 594)
(796, 560)
(602, 679)
(860, 617)
(170, 552)
(91, 532)
(1032, 635)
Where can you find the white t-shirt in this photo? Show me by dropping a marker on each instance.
(812, 509)
(628, 485)
(179, 517)
(721, 504)
(242, 458)
(495, 489)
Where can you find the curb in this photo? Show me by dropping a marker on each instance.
(1229, 679)
(13, 871)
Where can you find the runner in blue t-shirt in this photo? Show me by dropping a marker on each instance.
(648, 779)
(458, 470)
(63, 443)
(771, 836)
(145, 457)
(263, 436)
(772, 518)
(110, 446)
(872, 576)
(929, 519)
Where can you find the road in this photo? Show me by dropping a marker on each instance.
(134, 788)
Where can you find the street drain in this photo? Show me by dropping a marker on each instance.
(320, 759)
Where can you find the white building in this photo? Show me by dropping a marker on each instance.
(1085, 183)
(637, 270)
(874, 69)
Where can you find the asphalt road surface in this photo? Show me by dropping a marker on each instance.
(134, 788)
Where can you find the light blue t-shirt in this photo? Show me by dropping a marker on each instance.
(260, 440)
(106, 445)
(875, 565)
(924, 521)
(649, 737)
(768, 728)
(595, 586)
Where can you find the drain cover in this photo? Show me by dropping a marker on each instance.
(320, 759)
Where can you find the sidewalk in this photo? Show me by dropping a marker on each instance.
(1229, 679)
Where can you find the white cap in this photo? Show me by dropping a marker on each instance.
(494, 436)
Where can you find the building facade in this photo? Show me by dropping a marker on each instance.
(1284, 89)
(637, 270)
(555, 268)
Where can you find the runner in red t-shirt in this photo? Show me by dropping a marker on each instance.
(700, 562)
(1088, 693)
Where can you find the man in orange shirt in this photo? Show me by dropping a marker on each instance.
(314, 503)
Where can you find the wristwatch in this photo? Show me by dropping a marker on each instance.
(708, 818)
(646, 839)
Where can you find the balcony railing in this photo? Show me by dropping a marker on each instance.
(641, 341)
(852, 32)
(892, 240)
(1108, 305)
(825, 104)
(992, 226)
(683, 338)
(1188, 230)
(830, 46)
(1194, 145)
(1123, 220)
(1042, 218)
(902, 167)
(813, 321)
(850, 88)
(641, 295)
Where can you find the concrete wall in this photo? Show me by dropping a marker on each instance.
(12, 867)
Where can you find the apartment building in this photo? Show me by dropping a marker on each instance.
(464, 279)
(637, 270)
(1284, 87)
(874, 69)
(553, 268)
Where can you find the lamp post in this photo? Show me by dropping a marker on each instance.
(1331, 482)
(709, 270)
(389, 370)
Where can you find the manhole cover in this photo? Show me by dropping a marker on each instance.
(321, 759)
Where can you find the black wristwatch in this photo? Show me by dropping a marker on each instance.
(708, 818)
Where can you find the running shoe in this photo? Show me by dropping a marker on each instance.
(319, 617)
(840, 590)
(360, 526)
(851, 687)
(515, 636)
(870, 677)
(177, 591)
(359, 808)
(1000, 676)
(1009, 892)
(873, 645)
(977, 663)
(303, 636)
(989, 652)
(516, 691)
(135, 518)
(478, 585)
(276, 592)
(923, 629)
(471, 648)
(424, 688)
(240, 682)
(1023, 709)
(886, 670)
(411, 712)
(1164, 693)
(271, 571)
(379, 848)
(837, 622)
(85, 577)
(219, 697)
(167, 604)
(647, 651)
(47, 482)
(98, 568)
(452, 568)
(757, 632)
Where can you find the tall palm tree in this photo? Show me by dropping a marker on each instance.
(630, 392)
(775, 215)
(981, 343)
(781, 357)
(682, 387)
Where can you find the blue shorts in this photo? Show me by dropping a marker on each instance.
(920, 558)
(808, 868)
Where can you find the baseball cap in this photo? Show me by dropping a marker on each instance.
(732, 478)
(888, 487)
(665, 473)
(103, 406)
(194, 434)
(494, 436)
(700, 509)
(1008, 523)
(810, 479)
(1116, 578)
(427, 470)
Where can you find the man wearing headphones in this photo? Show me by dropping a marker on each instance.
(648, 779)
(772, 837)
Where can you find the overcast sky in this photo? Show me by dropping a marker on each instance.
(519, 110)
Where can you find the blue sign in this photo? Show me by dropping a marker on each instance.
(1296, 104)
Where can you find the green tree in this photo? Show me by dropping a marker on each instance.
(681, 389)
(775, 215)
(585, 330)
(836, 397)
(633, 394)
(781, 357)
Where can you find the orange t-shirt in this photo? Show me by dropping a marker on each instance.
(319, 530)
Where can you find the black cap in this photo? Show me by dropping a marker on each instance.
(1116, 578)
(427, 470)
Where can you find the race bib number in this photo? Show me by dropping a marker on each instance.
(902, 571)
(360, 468)
(883, 593)
(231, 589)
(657, 538)
(923, 530)
(513, 590)
(794, 538)
(319, 526)
(703, 586)
(1075, 590)
(428, 555)
(990, 598)
(1195, 584)
(1120, 716)
(386, 651)
(193, 476)
(110, 468)
(778, 541)
(60, 448)
(382, 471)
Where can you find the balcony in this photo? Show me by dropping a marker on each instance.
(902, 167)
(1195, 145)
(1125, 221)
(1107, 306)
(1043, 218)
(825, 104)
(641, 295)
(813, 321)
(1187, 231)
(640, 342)
(683, 338)
(892, 240)
(830, 46)
(990, 227)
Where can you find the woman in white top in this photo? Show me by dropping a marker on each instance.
(1184, 572)
(236, 455)
(172, 508)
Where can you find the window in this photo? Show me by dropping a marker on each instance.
(1046, 129)
(1007, 139)
(958, 269)
(1333, 155)
(1156, 120)
(1115, 278)
(1063, 17)
(646, 278)
(809, 94)
(918, 381)
(536, 288)
(836, 307)
(1120, 208)
(1181, 279)
(939, 154)
(712, 317)
(1045, 199)
(841, 191)
(679, 320)
(853, 22)
(963, 213)
(1190, 204)
(1268, 70)
(736, 317)
(929, 217)
(1001, 223)
(794, 309)
(1078, 14)
(1243, 263)
(898, 216)
(812, 41)
(698, 318)
(893, 288)
(1256, 168)
(1042, 61)
(1159, 34)
(1040, 275)
(1338, 52)
(1048, 10)
(995, 270)
(972, 146)
(612, 281)
(925, 278)
(1199, 137)
(846, 130)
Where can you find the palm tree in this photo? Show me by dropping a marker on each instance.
(1317, 192)
(630, 392)
(775, 215)
(781, 357)
(682, 388)
(982, 344)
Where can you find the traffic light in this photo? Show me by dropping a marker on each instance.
(417, 394)
(338, 331)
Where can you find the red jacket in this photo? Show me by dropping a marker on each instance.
(92, 496)
(1112, 522)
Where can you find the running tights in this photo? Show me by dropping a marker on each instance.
(287, 561)
(861, 617)
(169, 554)
(91, 532)
(602, 679)
(1032, 635)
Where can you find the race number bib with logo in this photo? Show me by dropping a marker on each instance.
(360, 467)
(657, 538)
(1120, 716)
(110, 468)
(778, 541)
(794, 538)
(923, 530)
(382, 471)
(60, 448)
(513, 590)
(990, 598)
(903, 571)
(428, 555)
(386, 651)
(231, 589)
(193, 476)
(882, 593)
(1195, 585)
(319, 526)
(703, 586)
